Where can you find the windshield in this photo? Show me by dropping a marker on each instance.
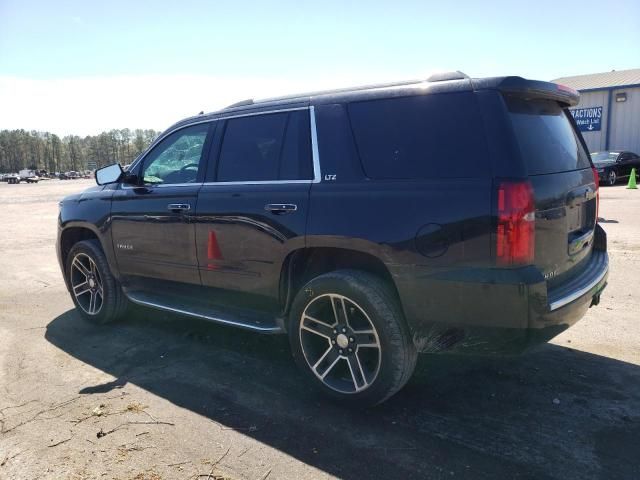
(601, 157)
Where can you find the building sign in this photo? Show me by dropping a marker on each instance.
(588, 119)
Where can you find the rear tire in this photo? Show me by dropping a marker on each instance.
(94, 290)
(348, 334)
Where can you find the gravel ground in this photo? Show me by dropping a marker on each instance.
(164, 397)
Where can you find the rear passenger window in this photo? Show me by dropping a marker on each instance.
(266, 148)
(427, 136)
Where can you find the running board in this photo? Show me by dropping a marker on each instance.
(246, 319)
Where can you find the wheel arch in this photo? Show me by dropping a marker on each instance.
(304, 264)
(72, 234)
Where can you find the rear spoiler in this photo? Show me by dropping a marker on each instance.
(522, 87)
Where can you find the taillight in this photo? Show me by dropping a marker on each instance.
(515, 235)
(596, 179)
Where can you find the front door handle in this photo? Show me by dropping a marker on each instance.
(280, 208)
(178, 207)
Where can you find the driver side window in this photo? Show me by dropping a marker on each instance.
(176, 159)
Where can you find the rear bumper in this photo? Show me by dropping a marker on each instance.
(497, 311)
(593, 276)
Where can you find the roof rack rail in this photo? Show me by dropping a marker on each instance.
(242, 103)
(445, 76)
(339, 90)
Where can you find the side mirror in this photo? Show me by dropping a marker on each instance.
(109, 174)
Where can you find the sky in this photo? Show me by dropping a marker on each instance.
(82, 67)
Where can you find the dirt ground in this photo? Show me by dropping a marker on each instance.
(164, 397)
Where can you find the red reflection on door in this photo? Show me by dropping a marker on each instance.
(213, 249)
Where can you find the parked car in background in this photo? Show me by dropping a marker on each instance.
(28, 175)
(367, 224)
(12, 178)
(613, 166)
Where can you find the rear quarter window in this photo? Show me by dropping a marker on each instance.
(426, 136)
(547, 140)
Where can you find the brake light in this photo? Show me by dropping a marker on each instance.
(596, 179)
(515, 235)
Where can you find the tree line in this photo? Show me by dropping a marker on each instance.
(21, 149)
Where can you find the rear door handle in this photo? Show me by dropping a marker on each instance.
(280, 208)
(178, 207)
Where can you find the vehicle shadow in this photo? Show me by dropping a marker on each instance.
(553, 413)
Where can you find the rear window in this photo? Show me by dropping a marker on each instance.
(548, 142)
(426, 136)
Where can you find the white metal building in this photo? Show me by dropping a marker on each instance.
(609, 110)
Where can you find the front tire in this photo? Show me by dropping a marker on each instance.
(348, 334)
(612, 178)
(96, 293)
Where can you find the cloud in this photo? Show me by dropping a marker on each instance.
(89, 105)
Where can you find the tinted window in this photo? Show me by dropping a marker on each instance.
(427, 136)
(266, 147)
(604, 157)
(176, 159)
(296, 163)
(547, 140)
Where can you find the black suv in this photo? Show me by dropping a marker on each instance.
(369, 224)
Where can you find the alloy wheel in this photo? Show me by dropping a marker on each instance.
(340, 343)
(86, 284)
(612, 177)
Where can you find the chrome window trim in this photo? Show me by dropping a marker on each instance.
(196, 184)
(315, 154)
(260, 182)
(266, 112)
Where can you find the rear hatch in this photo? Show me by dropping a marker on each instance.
(564, 188)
